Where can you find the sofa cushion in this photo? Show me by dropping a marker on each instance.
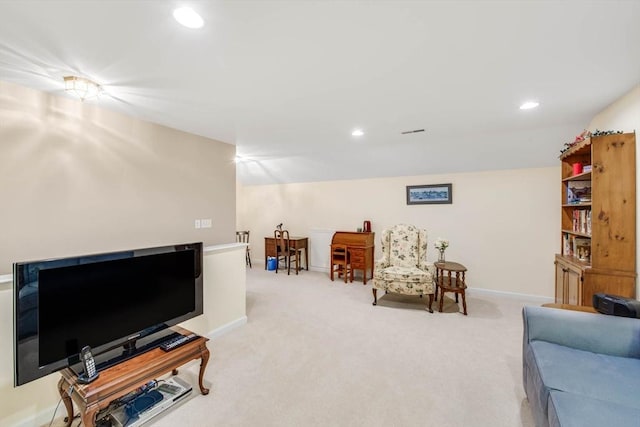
(573, 410)
(587, 374)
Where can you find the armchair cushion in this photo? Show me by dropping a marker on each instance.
(403, 241)
(404, 274)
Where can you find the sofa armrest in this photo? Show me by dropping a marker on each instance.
(598, 333)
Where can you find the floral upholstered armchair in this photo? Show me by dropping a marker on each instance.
(403, 267)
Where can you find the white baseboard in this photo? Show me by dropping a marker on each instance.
(515, 295)
(470, 290)
(228, 327)
(44, 417)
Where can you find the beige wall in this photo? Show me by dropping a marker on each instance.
(502, 225)
(624, 115)
(75, 178)
(225, 290)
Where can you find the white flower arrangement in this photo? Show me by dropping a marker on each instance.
(441, 244)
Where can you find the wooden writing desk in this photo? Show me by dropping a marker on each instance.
(294, 242)
(125, 377)
(360, 246)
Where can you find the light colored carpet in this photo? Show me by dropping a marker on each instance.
(317, 353)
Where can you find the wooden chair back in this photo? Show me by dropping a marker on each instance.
(283, 249)
(340, 262)
(243, 237)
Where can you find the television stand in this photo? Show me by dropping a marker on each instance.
(125, 377)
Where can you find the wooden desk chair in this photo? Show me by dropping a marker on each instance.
(243, 237)
(285, 251)
(341, 261)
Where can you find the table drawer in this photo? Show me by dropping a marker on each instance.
(357, 260)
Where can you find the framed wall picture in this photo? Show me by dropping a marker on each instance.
(433, 194)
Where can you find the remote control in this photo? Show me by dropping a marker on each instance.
(169, 388)
(175, 342)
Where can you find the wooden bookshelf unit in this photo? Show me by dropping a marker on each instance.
(127, 376)
(598, 229)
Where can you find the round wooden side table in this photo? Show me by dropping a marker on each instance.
(447, 283)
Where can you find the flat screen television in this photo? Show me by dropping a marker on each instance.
(120, 304)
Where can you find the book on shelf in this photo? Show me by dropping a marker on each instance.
(582, 249)
(579, 192)
(567, 244)
(581, 221)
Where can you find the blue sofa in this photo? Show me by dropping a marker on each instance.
(581, 369)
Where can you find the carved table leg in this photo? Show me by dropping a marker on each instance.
(464, 300)
(62, 389)
(89, 416)
(203, 365)
(464, 304)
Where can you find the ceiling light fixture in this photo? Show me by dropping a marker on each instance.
(81, 87)
(357, 132)
(529, 105)
(188, 17)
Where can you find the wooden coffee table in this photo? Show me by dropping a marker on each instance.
(447, 283)
(125, 377)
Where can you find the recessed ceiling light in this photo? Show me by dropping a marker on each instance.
(357, 132)
(529, 105)
(188, 17)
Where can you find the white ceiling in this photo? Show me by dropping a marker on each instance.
(287, 81)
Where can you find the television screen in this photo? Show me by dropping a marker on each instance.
(104, 301)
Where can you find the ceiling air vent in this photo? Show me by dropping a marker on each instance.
(412, 131)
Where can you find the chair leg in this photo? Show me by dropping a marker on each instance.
(441, 298)
(430, 302)
(375, 296)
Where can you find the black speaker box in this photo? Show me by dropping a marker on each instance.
(616, 305)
